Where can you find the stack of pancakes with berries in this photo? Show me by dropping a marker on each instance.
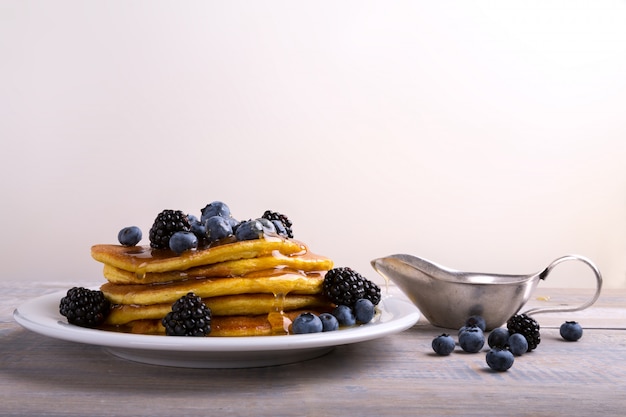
(214, 275)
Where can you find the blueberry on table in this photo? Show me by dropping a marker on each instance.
(329, 322)
(477, 321)
(443, 344)
(472, 340)
(499, 359)
(498, 337)
(344, 315)
(571, 331)
(518, 345)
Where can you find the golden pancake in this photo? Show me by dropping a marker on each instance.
(230, 305)
(143, 259)
(272, 282)
(228, 326)
(307, 262)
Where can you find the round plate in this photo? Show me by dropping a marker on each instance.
(41, 315)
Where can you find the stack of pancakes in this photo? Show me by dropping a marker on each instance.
(253, 287)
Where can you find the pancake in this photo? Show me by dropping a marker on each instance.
(272, 282)
(230, 305)
(144, 259)
(306, 262)
(228, 326)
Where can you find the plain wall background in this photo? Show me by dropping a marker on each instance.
(486, 136)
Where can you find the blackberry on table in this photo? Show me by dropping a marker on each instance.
(272, 215)
(84, 307)
(344, 286)
(527, 327)
(190, 316)
(165, 225)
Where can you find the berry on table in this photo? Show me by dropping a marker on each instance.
(518, 345)
(571, 331)
(190, 316)
(472, 339)
(129, 236)
(526, 326)
(498, 337)
(307, 323)
(84, 307)
(499, 359)
(443, 344)
(477, 321)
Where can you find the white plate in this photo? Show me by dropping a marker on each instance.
(41, 315)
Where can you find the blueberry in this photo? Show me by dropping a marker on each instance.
(344, 315)
(498, 337)
(329, 322)
(443, 344)
(307, 323)
(268, 226)
(200, 230)
(518, 345)
(249, 230)
(477, 321)
(216, 208)
(182, 241)
(364, 310)
(280, 228)
(499, 359)
(218, 228)
(192, 219)
(571, 331)
(472, 339)
(129, 236)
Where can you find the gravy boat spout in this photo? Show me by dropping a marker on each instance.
(447, 297)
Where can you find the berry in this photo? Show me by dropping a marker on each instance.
(477, 321)
(189, 317)
(443, 344)
(499, 359)
(571, 331)
(329, 322)
(307, 323)
(129, 236)
(249, 230)
(344, 315)
(498, 338)
(182, 241)
(273, 216)
(364, 310)
(200, 230)
(268, 226)
(84, 307)
(518, 345)
(472, 340)
(345, 286)
(165, 225)
(218, 228)
(216, 208)
(527, 326)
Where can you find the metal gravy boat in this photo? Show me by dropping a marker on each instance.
(447, 297)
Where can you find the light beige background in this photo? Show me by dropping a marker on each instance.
(486, 136)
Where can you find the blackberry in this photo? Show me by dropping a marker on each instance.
(84, 307)
(344, 286)
(165, 225)
(189, 317)
(272, 215)
(527, 327)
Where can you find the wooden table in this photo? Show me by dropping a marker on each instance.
(396, 375)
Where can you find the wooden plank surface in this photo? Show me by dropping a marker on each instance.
(397, 375)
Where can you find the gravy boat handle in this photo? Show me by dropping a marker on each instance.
(583, 306)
